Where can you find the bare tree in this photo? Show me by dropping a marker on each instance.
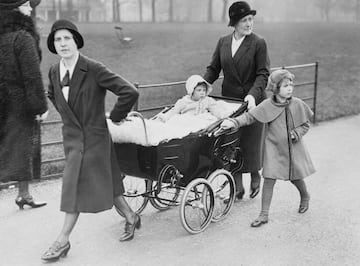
(153, 9)
(210, 11)
(140, 10)
(115, 9)
(325, 7)
(224, 10)
(171, 10)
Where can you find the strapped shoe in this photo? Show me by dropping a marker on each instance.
(304, 205)
(56, 251)
(259, 221)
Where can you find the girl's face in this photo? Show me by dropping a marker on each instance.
(65, 44)
(245, 25)
(286, 89)
(25, 8)
(199, 92)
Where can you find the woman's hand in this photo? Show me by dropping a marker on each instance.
(42, 117)
(121, 121)
(251, 101)
(227, 124)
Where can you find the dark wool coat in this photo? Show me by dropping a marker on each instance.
(245, 73)
(284, 158)
(92, 177)
(22, 97)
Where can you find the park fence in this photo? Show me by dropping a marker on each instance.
(309, 97)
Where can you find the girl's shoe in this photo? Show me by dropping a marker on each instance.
(254, 191)
(21, 201)
(259, 221)
(56, 251)
(130, 229)
(304, 205)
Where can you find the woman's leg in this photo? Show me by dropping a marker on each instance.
(23, 189)
(304, 195)
(68, 226)
(255, 184)
(267, 193)
(132, 219)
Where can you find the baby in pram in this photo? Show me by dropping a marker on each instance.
(196, 101)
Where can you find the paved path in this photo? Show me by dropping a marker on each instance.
(328, 234)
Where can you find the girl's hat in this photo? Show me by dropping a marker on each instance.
(11, 4)
(238, 10)
(195, 80)
(276, 77)
(63, 24)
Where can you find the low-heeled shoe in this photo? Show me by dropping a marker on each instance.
(254, 192)
(258, 222)
(130, 229)
(56, 251)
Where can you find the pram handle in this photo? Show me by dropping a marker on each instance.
(137, 114)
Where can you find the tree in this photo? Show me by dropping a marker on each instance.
(140, 10)
(115, 9)
(153, 14)
(325, 7)
(210, 12)
(171, 10)
(224, 10)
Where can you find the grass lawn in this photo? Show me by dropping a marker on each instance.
(165, 52)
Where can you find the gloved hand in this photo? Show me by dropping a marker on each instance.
(227, 124)
(42, 117)
(251, 101)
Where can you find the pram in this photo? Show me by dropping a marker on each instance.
(195, 172)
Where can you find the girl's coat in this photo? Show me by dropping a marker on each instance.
(283, 158)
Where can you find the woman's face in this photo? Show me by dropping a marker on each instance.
(199, 92)
(245, 25)
(65, 44)
(25, 8)
(286, 89)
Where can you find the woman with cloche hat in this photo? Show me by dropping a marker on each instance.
(243, 58)
(22, 99)
(92, 181)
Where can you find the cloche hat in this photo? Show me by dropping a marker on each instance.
(61, 25)
(195, 80)
(238, 10)
(11, 4)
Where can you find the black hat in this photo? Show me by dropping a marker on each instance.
(61, 25)
(11, 4)
(238, 10)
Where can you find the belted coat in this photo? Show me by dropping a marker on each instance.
(245, 73)
(92, 177)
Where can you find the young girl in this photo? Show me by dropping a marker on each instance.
(285, 156)
(196, 101)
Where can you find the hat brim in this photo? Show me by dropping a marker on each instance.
(50, 39)
(9, 6)
(236, 19)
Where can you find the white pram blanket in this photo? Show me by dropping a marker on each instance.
(178, 126)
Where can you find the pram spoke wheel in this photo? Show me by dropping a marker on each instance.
(197, 206)
(223, 185)
(134, 188)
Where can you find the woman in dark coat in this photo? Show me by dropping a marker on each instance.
(244, 60)
(22, 98)
(92, 181)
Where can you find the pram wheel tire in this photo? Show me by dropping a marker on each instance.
(197, 206)
(223, 185)
(134, 190)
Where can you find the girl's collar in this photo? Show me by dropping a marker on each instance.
(277, 103)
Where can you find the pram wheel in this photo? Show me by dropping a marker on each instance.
(223, 185)
(135, 193)
(197, 206)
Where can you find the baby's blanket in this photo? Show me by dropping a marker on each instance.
(178, 126)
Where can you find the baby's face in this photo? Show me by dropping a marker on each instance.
(199, 92)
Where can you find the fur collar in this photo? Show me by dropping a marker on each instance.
(14, 20)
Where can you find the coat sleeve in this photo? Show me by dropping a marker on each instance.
(244, 119)
(213, 70)
(126, 92)
(300, 131)
(29, 64)
(262, 70)
(50, 92)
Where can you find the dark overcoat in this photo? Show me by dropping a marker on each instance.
(245, 73)
(22, 97)
(92, 177)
